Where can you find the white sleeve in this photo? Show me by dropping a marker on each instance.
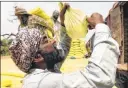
(102, 64)
(89, 35)
(101, 70)
(30, 85)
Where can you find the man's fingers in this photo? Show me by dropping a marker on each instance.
(67, 5)
(91, 22)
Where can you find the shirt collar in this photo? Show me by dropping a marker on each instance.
(37, 71)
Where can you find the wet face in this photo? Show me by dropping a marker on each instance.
(47, 45)
(49, 52)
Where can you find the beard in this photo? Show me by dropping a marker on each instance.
(52, 58)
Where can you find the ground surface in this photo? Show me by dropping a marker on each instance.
(8, 66)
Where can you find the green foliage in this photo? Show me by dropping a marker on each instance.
(5, 43)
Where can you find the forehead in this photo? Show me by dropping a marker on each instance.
(93, 14)
(96, 15)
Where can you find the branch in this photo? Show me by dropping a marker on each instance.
(9, 35)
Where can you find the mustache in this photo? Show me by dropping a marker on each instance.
(52, 57)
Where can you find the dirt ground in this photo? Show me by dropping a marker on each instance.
(7, 65)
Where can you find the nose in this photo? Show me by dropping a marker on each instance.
(52, 41)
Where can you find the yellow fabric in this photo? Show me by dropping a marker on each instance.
(11, 79)
(71, 65)
(75, 22)
(78, 49)
(75, 59)
(76, 27)
(60, 5)
(13, 74)
(41, 13)
(49, 34)
(11, 82)
(6, 82)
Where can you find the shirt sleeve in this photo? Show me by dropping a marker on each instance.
(89, 35)
(30, 85)
(101, 69)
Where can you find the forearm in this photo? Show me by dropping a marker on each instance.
(64, 46)
(65, 41)
(62, 13)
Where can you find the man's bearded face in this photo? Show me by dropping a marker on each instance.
(50, 53)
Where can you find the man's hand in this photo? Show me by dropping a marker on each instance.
(62, 13)
(123, 67)
(88, 55)
(66, 5)
(95, 19)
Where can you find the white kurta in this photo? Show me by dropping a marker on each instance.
(99, 73)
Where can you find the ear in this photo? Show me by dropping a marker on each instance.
(39, 59)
